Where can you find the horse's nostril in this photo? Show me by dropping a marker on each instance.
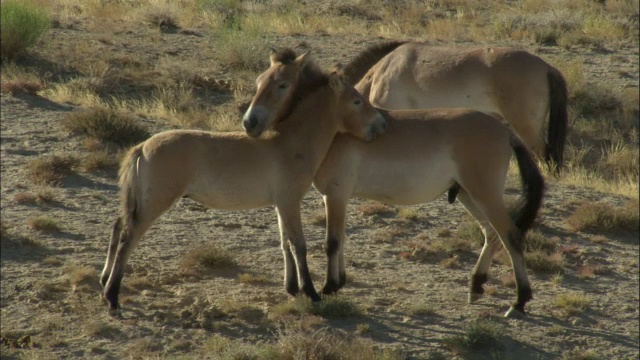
(251, 122)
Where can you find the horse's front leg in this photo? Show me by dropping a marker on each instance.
(290, 271)
(336, 208)
(289, 217)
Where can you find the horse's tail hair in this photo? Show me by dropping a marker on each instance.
(129, 184)
(359, 65)
(532, 183)
(558, 119)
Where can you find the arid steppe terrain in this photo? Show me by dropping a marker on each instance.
(205, 283)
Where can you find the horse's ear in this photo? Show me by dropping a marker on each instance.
(272, 55)
(335, 81)
(303, 59)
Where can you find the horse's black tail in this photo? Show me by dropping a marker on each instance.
(359, 65)
(532, 183)
(558, 119)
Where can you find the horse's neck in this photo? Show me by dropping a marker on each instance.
(311, 127)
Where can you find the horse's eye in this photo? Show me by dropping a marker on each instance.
(357, 102)
(282, 86)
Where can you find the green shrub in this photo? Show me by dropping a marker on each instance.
(21, 25)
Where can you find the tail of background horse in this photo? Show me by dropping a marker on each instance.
(360, 65)
(532, 183)
(557, 131)
(129, 185)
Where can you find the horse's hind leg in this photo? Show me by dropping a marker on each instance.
(129, 237)
(111, 252)
(479, 275)
(490, 203)
(334, 248)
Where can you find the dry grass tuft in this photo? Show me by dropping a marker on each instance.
(51, 170)
(376, 208)
(335, 306)
(481, 334)
(206, 256)
(571, 303)
(99, 329)
(422, 310)
(99, 161)
(409, 213)
(107, 124)
(603, 217)
(581, 354)
(81, 275)
(389, 235)
(44, 224)
(39, 196)
(21, 87)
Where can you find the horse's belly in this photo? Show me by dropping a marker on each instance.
(404, 183)
(236, 195)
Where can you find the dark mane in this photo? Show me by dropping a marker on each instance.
(284, 55)
(311, 79)
(356, 68)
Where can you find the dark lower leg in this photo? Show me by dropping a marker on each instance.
(477, 282)
(290, 275)
(111, 251)
(331, 284)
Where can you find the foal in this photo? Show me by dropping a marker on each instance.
(232, 171)
(423, 154)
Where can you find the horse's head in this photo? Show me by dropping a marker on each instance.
(276, 91)
(355, 114)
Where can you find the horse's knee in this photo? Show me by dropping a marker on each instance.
(332, 246)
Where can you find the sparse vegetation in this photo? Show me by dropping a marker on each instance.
(330, 307)
(192, 65)
(51, 170)
(207, 256)
(107, 124)
(603, 217)
(44, 224)
(39, 196)
(572, 303)
(481, 334)
(376, 208)
(22, 24)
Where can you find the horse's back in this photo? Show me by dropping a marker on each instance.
(418, 76)
(419, 156)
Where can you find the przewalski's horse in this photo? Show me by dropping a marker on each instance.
(233, 171)
(517, 85)
(423, 154)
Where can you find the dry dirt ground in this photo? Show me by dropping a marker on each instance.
(51, 319)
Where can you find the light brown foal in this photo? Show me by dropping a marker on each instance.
(232, 171)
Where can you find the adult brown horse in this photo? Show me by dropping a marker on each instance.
(519, 86)
(423, 154)
(233, 171)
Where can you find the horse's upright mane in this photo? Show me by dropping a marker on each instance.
(311, 79)
(359, 65)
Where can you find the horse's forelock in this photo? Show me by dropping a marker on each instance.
(284, 55)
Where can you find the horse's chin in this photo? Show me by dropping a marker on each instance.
(256, 132)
